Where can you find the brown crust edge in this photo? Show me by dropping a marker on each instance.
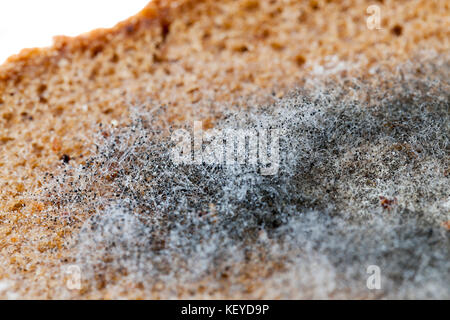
(156, 12)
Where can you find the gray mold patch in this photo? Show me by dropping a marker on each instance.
(361, 182)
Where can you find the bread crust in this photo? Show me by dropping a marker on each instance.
(196, 57)
(155, 13)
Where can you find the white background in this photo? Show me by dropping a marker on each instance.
(33, 23)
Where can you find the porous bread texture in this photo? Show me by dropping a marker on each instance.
(187, 55)
(359, 183)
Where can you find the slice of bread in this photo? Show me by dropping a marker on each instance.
(196, 58)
